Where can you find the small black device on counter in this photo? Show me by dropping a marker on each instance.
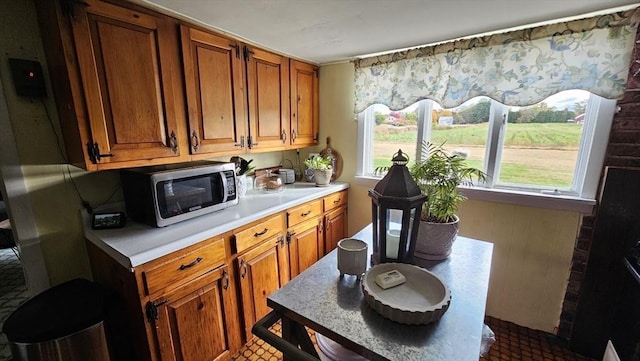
(163, 195)
(108, 220)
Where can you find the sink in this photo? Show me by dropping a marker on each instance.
(287, 188)
(300, 185)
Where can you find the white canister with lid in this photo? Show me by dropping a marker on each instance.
(288, 175)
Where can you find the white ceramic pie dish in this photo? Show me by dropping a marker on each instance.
(422, 299)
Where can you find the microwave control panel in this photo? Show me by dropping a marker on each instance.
(230, 178)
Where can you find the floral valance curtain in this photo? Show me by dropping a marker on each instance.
(517, 68)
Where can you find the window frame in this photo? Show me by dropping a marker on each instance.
(580, 197)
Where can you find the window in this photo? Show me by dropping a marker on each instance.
(555, 147)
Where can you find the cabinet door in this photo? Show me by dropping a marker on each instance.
(305, 245)
(262, 270)
(335, 228)
(268, 96)
(196, 324)
(126, 61)
(214, 81)
(304, 104)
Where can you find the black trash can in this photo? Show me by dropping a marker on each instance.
(63, 323)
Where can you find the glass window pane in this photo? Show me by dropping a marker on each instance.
(463, 129)
(394, 130)
(542, 141)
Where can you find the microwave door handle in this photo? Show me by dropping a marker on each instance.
(223, 180)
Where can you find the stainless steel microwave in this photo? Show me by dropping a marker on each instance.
(167, 194)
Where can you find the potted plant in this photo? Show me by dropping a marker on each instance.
(322, 169)
(438, 175)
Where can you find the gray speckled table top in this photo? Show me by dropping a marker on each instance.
(335, 307)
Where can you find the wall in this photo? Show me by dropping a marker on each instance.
(337, 121)
(52, 196)
(623, 151)
(532, 254)
(532, 246)
(53, 199)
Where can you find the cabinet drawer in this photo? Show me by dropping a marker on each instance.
(334, 200)
(303, 212)
(185, 266)
(257, 233)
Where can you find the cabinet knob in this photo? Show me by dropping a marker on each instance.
(68, 7)
(243, 268)
(94, 152)
(195, 142)
(250, 142)
(152, 310)
(241, 144)
(225, 279)
(173, 142)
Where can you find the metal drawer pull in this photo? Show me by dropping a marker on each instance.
(337, 200)
(195, 262)
(261, 233)
(304, 214)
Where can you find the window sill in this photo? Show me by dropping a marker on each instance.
(529, 199)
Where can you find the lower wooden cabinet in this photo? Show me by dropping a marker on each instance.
(165, 317)
(335, 219)
(261, 271)
(200, 303)
(306, 245)
(335, 228)
(196, 321)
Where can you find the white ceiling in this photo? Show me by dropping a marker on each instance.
(325, 31)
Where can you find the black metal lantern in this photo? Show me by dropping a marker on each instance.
(396, 202)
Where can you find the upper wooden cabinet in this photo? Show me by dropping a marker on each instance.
(304, 104)
(268, 95)
(238, 96)
(120, 66)
(213, 72)
(134, 88)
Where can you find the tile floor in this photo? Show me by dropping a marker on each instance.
(513, 342)
(13, 292)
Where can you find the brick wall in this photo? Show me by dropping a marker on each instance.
(623, 151)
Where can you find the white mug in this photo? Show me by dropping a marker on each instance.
(352, 257)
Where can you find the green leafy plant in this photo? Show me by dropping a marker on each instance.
(438, 175)
(318, 163)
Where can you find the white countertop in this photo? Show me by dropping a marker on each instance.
(138, 243)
